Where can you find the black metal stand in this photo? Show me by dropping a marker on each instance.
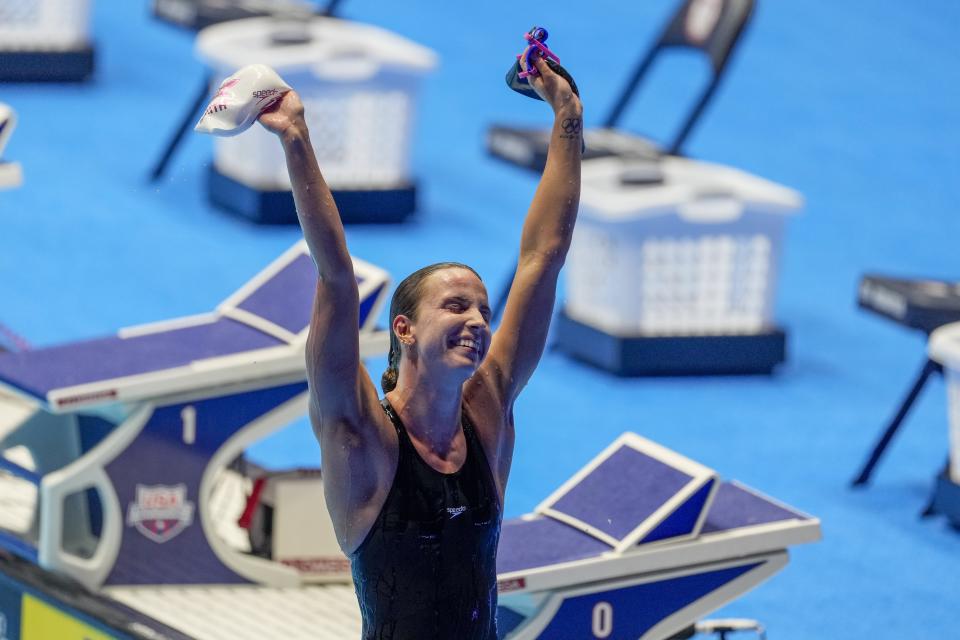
(929, 367)
(189, 117)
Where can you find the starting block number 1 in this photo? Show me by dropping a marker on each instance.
(602, 620)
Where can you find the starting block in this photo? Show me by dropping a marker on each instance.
(641, 543)
(125, 438)
(129, 510)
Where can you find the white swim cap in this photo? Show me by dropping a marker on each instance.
(241, 99)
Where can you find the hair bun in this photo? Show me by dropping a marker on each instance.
(388, 381)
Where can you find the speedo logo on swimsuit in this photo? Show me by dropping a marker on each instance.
(455, 511)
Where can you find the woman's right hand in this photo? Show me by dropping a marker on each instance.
(285, 116)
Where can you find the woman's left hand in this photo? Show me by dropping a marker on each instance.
(550, 86)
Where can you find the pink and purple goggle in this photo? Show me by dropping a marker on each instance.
(535, 37)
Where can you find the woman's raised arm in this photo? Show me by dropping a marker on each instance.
(341, 389)
(547, 231)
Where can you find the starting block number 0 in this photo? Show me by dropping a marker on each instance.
(602, 622)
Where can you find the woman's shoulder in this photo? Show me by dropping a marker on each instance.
(483, 401)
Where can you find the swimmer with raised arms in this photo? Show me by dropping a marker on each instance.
(415, 483)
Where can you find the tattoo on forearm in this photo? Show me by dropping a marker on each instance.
(572, 128)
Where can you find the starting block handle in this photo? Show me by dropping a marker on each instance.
(55, 488)
(83, 474)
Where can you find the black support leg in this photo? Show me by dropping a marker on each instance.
(189, 118)
(864, 477)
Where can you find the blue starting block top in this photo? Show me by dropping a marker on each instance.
(634, 492)
(639, 505)
(542, 541)
(279, 300)
(258, 332)
(282, 299)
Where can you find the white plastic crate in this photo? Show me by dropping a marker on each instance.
(695, 254)
(944, 348)
(359, 85)
(44, 25)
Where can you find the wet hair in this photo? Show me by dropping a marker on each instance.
(405, 301)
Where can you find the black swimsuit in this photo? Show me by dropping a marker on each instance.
(427, 568)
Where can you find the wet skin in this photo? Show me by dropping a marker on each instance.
(446, 343)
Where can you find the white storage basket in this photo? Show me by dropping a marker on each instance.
(695, 254)
(944, 348)
(44, 25)
(359, 85)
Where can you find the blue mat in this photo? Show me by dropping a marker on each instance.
(854, 104)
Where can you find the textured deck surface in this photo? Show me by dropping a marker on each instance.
(250, 612)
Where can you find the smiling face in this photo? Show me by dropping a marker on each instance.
(451, 331)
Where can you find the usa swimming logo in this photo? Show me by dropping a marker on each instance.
(160, 512)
